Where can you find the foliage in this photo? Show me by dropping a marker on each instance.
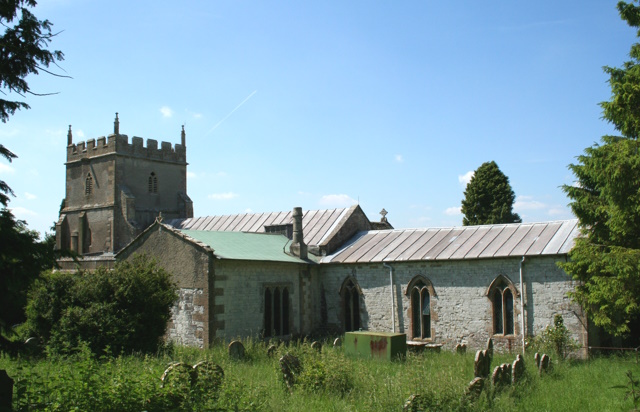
(606, 200)
(556, 338)
(24, 51)
(82, 381)
(633, 390)
(126, 309)
(22, 257)
(488, 198)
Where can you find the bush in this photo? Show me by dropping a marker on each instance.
(556, 338)
(123, 310)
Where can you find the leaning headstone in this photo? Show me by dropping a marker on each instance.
(337, 343)
(544, 363)
(317, 346)
(178, 374)
(209, 376)
(501, 375)
(236, 350)
(517, 370)
(536, 357)
(475, 388)
(291, 368)
(271, 350)
(6, 391)
(461, 348)
(413, 404)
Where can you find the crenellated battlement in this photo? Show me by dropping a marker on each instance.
(119, 144)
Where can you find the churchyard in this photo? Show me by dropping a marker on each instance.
(254, 376)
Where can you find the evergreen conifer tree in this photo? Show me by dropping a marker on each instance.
(488, 198)
(606, 200)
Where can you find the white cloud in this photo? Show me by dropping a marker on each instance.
(197, 115)
(527, 203)
(79, 133)
(337, 201)
(5, 169)
(453, 211)
(558, 211)
(221, 174)
(191, 175)
(223, 196)
(21, 212)
(248, 210)
(30, 196)
(399, 158)
(166, 111)
(465, 178)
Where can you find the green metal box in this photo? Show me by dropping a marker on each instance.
(381, 345)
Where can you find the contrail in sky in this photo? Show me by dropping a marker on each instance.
(231, 112)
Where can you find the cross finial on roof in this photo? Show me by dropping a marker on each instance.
(384, 215)
(159, 218)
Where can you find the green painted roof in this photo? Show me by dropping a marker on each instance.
(246, 246)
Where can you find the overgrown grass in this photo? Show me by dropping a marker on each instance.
(330, 381)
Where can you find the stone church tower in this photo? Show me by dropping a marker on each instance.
(116, 189)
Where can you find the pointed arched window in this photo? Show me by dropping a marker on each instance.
(420, 292)
(88, 185)
(501, 294)
(153, 183)
(276, 311)
(350, 294)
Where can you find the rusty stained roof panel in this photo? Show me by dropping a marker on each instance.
(468, 242)
(317, 224)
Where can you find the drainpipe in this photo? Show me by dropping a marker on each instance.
(393, 306)
(522, 303)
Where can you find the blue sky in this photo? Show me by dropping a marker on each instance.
(325, 104)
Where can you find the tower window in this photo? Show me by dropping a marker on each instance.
(153, 183)
(88, 185)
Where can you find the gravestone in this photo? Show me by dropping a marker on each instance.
(501, 375)
(317, 346)
(236, 350)
(482, 364)
(208, 375)
(413, 404)
(490, 349)
(461, 348)
(177, 373)
(544, 363)
(6, 391)
(271, 350)
(474, 389)
(536, 357)
(290, 367)
(517, 370)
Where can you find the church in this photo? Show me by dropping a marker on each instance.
(296, 273)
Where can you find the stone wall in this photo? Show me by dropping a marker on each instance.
(191, 266)
(461, 309)
(239, 290)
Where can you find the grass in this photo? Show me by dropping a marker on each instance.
(329, 382)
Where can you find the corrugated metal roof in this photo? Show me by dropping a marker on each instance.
(468, 242)
(316, 224)
(245, 246)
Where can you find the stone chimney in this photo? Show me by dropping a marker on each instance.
(298, 247)
(69, 137)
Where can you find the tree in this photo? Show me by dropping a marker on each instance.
(488, 198)
(126, 309)
(606, 200)
(23, 52)
(22, 258)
